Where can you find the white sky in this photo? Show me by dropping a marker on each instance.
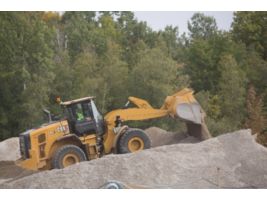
(160, 19)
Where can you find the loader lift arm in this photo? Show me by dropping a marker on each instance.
(180, 105)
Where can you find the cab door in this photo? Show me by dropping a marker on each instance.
(81, 118)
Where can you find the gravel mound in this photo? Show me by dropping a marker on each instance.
(232, 160)
(9, 152)
(9, 149)
(160, 137)
(10, 172)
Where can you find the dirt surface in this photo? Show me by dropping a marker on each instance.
(9, 149)
(160, 137)
(231, 160)
(9, 152)
(9, 171)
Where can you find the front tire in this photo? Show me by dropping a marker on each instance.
(133, 140)
(67, 155)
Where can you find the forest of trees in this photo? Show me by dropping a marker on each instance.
(111, 55)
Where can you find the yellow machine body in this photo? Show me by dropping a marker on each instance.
(44, 141)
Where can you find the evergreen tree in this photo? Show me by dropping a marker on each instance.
(25, 70)
(232, 84)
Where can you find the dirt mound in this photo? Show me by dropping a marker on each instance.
(160, 137)
(9, 171)
(9, 149)
(9, 152)
(232, 160)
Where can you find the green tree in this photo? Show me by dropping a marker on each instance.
(79, 32)
(256, 69)
(225, 107)
(26, 65)
(154, 77)
(201, 26)
(115, 78)
(232, 84)
(170, 37)
(202, 57)
(104, 77)
(135, 37)
(250, 28)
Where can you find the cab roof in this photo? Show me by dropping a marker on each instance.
(66, 103)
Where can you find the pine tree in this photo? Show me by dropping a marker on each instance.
(231, 91)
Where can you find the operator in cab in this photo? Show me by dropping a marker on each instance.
(79, 114)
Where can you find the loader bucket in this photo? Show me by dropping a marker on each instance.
(194, 117)
(184, 106)
(189, 112)
(199, 131)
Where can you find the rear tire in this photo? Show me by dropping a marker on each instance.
(67, 155)
(133, 140)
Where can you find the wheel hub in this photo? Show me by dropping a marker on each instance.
(70, 159)
(135, 144)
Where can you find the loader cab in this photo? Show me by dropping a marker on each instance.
(83, 117)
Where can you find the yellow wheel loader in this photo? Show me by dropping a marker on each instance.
(84, 134)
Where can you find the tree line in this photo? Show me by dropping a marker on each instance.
(112, 55)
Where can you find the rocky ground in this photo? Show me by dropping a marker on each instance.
(9, 149)
(232, 160)
(160, 137)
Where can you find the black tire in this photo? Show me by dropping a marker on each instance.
(74, 152)
(123, 144)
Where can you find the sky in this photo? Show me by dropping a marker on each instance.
(160, 19)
